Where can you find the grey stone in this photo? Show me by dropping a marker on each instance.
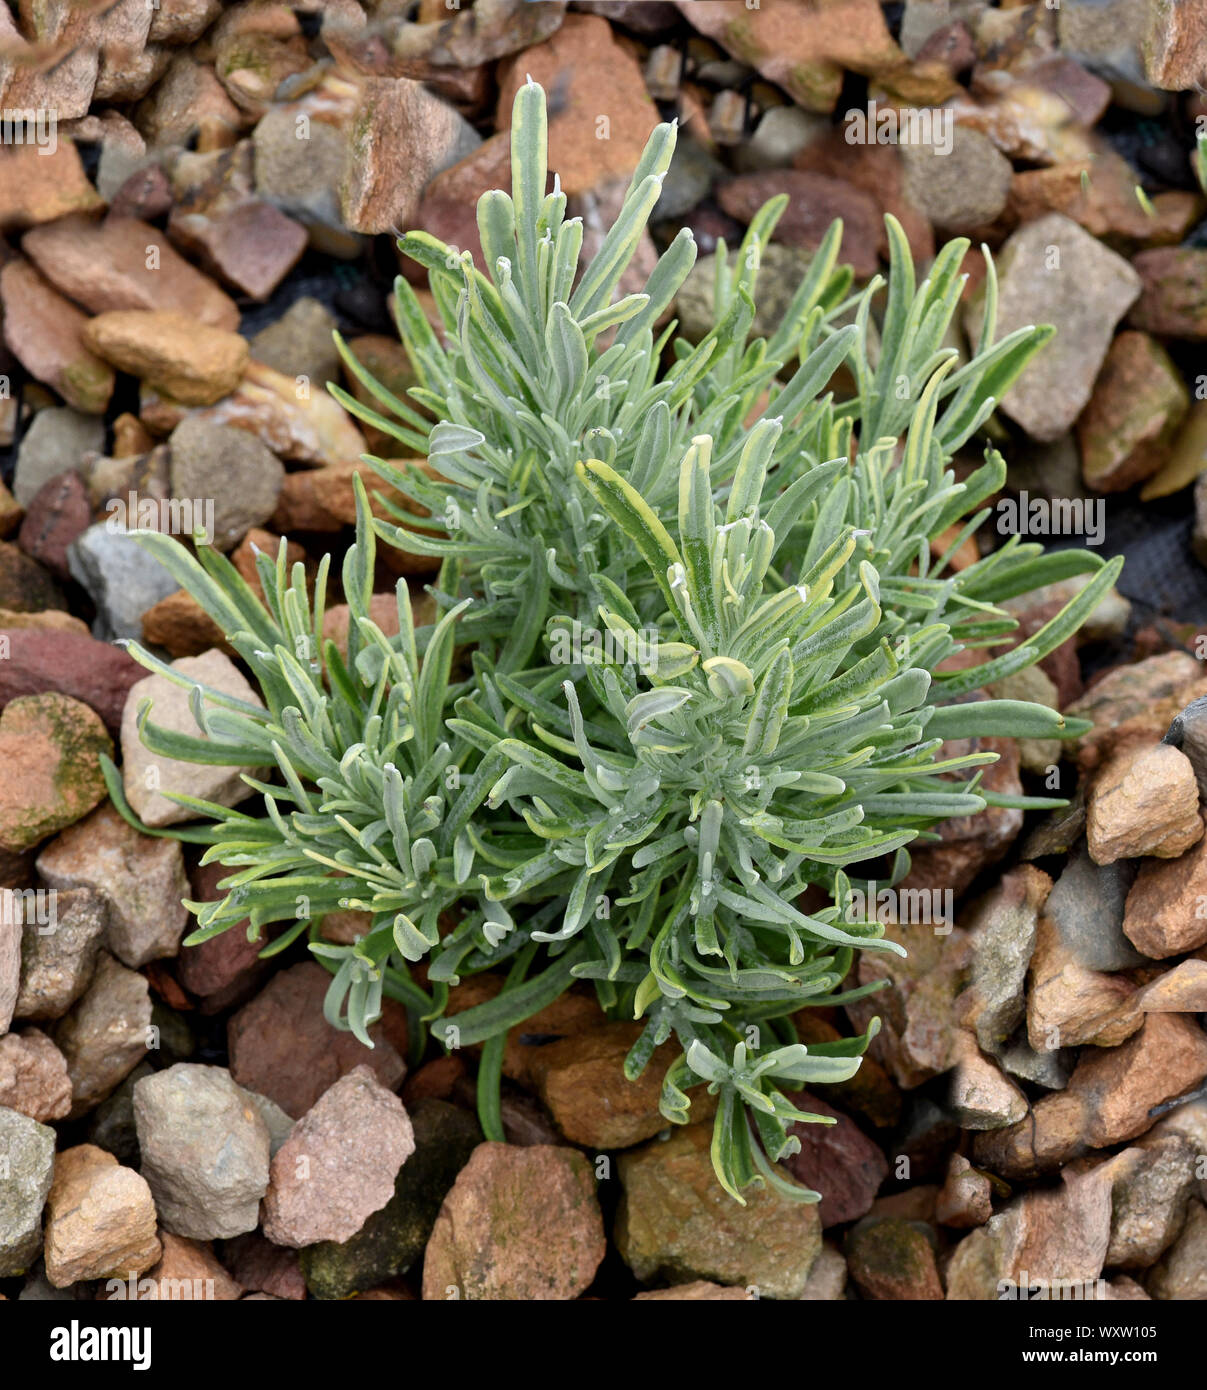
(688, 180)
(204, 1149)
(279, 1124)
(960, 188)
(1087, 906)
(229, 468)
(1048, 1069)
(1106, 36)
(120, 577)
(781, 134)
(1189, 733)
(57, 439)
(27, 1159)
(301, 177)
(1003, 936)
(392, 1239)
(1051, 271)
(1153, 1184)
(1181, 1275)
(781, 270)
(299, 343)
(57, 961)
(39, 1289)
(111, 1126)
(105, 1035)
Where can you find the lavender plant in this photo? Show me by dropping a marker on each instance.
(701, 664)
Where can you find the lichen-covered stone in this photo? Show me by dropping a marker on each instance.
(50, 749)
(518, 1223)
(676, 1222)
(29, 1149)
(893, 1259)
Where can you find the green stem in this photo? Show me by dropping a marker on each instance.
(490, 1068)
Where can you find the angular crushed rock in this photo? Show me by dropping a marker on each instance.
(33, 1076)
(1043, 270)
(394, 1238)
(106, 1034)
(100, 1219)
(29, 1150)
(204, 1148)
(230, 468)
(676, 1222)
(339, 1163)
(519, 1223)
(121, 579)
(282, 1047)
(140, 878)
(146, 776)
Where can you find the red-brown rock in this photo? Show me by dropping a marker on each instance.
(25, 587)
(122, 263)
(814, 201)
(893, 1259)
(1127, 430)
(57, 514)
(258, 1264)
(1173, 297)
(225, 968)
(95, 672)
(339, 1163)
(837, 1160)
(876, 170)
(45, 333)
(282, 1047)
(40, 185)
(517, 1223)
(600, 114)
(1120, 1085)
(33, 1076)
(250, 243)
(1165, 915)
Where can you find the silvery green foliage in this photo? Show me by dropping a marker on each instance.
(543, 366)
(706, 673)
